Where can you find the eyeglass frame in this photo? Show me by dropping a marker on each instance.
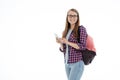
(74, 16)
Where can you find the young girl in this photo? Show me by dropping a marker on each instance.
(71, 47)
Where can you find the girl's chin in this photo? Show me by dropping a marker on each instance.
(72, 23)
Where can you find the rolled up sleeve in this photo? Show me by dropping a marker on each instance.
(64, 47)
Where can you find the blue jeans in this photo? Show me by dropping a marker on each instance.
(74, 71)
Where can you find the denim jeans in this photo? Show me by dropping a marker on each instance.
(74, 71)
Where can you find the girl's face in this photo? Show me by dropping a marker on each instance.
(72, 17)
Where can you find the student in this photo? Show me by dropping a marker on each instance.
(71, 47)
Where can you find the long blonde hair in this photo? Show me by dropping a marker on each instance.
(67, 26)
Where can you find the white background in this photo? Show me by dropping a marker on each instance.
(28, 50)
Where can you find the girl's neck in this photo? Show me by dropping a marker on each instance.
(72, 26)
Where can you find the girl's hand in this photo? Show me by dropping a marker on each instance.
(59, 40)
(65, 40)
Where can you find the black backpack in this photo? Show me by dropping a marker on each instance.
(87, 54)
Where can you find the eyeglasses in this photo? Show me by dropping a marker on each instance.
(74, 16)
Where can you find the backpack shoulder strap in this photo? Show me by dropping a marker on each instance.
(79, 32)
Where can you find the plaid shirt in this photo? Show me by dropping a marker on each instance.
(74, 54)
